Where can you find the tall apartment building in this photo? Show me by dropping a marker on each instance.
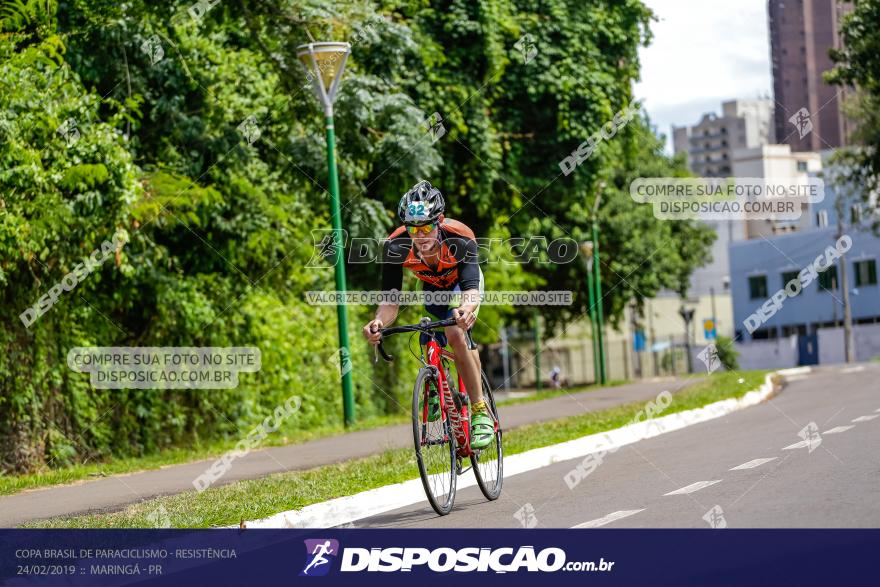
(709, 144)
(808, 111)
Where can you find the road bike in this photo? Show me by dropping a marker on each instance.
(442, 444)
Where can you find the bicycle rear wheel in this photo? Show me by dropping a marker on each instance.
(435, 447)
(488, 463)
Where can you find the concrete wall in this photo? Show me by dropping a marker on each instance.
(867, 340)
(769, 354)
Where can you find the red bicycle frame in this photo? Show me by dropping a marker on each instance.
(455, 412)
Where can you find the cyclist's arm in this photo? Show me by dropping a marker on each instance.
(387, 313)
(468, 274)
(393, 255)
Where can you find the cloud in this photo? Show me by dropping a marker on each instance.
(703, 52)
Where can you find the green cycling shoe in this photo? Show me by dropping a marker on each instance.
(482, 428)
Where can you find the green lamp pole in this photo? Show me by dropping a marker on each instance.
(537, 332)
(587, 254)
(597, 280)
(325, 64)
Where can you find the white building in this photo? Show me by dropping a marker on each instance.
(779, 163)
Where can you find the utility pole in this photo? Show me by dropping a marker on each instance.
(849, 346)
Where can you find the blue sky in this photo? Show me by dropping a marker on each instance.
(703, 52)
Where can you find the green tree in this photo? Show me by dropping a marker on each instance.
(127, 117)
(858, 68)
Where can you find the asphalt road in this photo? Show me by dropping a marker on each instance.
(750, 469)
(115, 492)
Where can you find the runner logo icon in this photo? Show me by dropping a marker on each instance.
(320, 552)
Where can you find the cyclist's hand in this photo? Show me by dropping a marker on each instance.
(464, 318)
(371, 331)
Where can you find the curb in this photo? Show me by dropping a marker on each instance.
(344, 510)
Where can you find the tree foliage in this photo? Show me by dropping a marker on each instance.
(127, 117)
(858, 68)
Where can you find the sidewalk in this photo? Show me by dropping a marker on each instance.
(115, 492)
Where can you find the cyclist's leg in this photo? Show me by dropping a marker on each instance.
(467, 361)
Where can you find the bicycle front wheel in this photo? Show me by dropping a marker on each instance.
(488, 463)
(435, 446)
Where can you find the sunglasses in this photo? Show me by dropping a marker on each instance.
(424, 229)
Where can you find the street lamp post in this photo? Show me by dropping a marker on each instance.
(687, 314)
(325, 64)
(597, 280)
(537, 333)
(587, 255)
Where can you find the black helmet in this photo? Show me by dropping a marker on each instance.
(422, 204)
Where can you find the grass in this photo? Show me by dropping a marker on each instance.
(549, 393)
(176, 456)
(259, 498)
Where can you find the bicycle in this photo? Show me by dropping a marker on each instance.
(449, 434)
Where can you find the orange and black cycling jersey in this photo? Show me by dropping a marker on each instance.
(457, 263)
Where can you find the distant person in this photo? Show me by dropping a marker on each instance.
(556, 377)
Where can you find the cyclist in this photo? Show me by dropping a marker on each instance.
(443, 254)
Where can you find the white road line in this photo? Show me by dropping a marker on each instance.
(693, 487)
(753, 464)
(853, 369)
(800, 444)
(613, 517)
(837, 429)
(864, 418)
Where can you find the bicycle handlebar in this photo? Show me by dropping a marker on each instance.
(423, 326)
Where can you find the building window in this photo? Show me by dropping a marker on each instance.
(758, 287)
(866, 272)
(764, 333)
(789, 276)
(801, 165)
(855, 213)
(828, 279)
(794, 329)
(822, 218)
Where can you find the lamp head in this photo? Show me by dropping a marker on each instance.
(324, 63)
